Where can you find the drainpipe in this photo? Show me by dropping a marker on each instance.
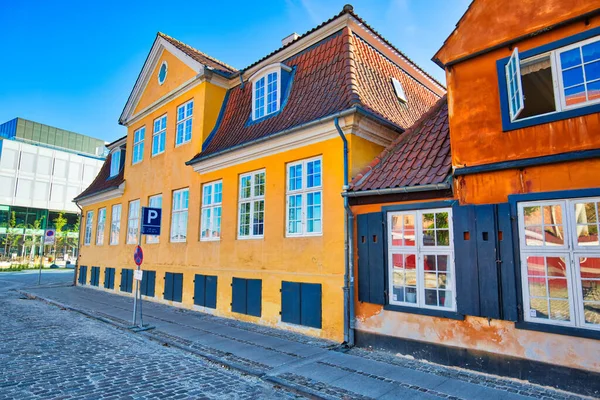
(78, 245)
(349, 318)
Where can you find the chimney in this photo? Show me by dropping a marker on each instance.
(289, 39)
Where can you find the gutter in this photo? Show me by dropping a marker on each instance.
(405, 189)
(349, 317)
(355, 109)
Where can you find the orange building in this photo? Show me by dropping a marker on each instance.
(477, 230)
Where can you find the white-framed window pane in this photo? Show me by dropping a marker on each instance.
(138, 145)
(272, 99)
(252, 204)
(100, 226)
(87, 240)
(210, 227)
(154, 202)
(543, 225)
(259, 98)
(184, 123)
(421, 259)
(313, 174)
(295, 213)
(133, 222)
(589, 285)
(313, 212)
(115, 163)
(304, 201)
(115, 224)
(159, 135)
(587, 224)
(179, 215)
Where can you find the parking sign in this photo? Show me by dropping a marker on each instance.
(151, 220)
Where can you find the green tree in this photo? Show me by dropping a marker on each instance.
(12, 234)
(59, 223)
(32, 238)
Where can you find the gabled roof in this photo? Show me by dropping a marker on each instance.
(340, 72)
(420, 156)
(103, 182)
(201, 57)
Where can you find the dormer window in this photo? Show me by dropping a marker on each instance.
(399, 90)
(267, 89)
(115, 163)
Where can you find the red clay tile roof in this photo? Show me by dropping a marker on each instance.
(102, 182)
(199, 56)
(338, 73)
(420, 156)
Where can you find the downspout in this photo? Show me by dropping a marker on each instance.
(349, 318)
(78, 245)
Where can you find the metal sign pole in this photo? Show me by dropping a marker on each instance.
(41, 260)
(135, 295)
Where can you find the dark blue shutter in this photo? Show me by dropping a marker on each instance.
(310, 305)
(123, 283)
(210, 291)
(148, 283)
(465, 260)
(177, 287)
(129, 280)
(95, 276)
(109, 276)
(489, 291)
(376, 239)
(199, 290)
(254, 300)
(290, 302)
(82, 274)
(168, 293)
(112, 278)
(238, 295)
(362, 224)
(508, 276)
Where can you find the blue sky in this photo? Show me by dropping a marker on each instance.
(72, 64)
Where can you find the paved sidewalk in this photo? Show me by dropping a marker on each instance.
(312, 367)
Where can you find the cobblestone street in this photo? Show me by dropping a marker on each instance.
(46, 352)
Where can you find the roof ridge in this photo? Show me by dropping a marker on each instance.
(164, 35)
(386, 153)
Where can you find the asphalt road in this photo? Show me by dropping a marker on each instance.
(49, 353)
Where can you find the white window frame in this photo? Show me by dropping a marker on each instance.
(303, 192)
(161, 133)
(100, 226)
(133, 221)
(571, 251)
(89, 226)
(513, 74)
(263, 74)
(419, 250)
(115, 163)
(152, 202)
(209, 219)
(182, 122)
(137, 155)
(115, 224)
(556, 67)
(252, 200)
(179, 209)
(399, 89)
(166, 72)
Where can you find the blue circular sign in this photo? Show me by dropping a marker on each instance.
(138, 256)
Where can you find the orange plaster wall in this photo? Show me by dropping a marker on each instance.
(177, 73)
(475, 118)
(490, 22)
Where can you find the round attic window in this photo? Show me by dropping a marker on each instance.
(162, 73)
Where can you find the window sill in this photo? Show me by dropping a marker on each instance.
(250, 237)
(178, 241)
(158, 154)
(425, 311)
(211, 240)
(558, 329)
(304, 235)
(182, 143)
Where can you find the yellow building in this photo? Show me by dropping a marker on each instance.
(248, 167)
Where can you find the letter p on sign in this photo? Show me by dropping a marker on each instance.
(151, 220)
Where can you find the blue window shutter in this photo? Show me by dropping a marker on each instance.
(254, 300)
(82, 274)
(362, 223)
(290, 302)
(311, 304)
(108, 279)
(148, 283)
(112, 278)
(96, 276)
(514, 87)
(508, 276)
(199, 290)
(465, 260)
(130, 280)
(177, 287)
(210, 299)
(123, 283)
(168, 293)
(489, 291)
(238, 295)
(376, 238)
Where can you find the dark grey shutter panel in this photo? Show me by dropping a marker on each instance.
(290, 302)
(376, 259)
(485, 218)
(199, 289)
(465, 259)
(210, 299)
(177, 287)
(82, 274)
(254, 299)
(168, 293)
(507, 251)
(238, 295)
(362, 224)
(310, 305)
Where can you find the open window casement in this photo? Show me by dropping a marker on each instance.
(514, 86)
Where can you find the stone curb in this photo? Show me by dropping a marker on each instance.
(292, 387)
